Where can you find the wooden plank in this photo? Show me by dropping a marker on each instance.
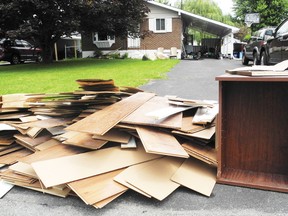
(103, 203)
(114, 135)
(103, 120)
(76, 167)
(205, 153)
(84, 140)
(97, 188)
(130, 171)
(197, 176)
(159, 142)
(56, 151)
(14, 156)
(139, 116)
(47, 123)
(155, 183)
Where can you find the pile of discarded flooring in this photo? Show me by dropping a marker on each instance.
(101, 140)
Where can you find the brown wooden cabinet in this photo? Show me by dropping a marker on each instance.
(252, 133)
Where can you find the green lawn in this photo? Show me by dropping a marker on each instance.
(60, 76)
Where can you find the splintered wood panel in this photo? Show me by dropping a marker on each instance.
(72, 168)
(154, 179)
(103, 120)
(160, 142)
(196, 175)
(139, 116)
(253, 124)
(97, 188)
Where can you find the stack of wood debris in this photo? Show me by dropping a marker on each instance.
(101, 140)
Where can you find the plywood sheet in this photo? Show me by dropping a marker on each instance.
(140, 116)
(72, 168)
(159, 142)
(196, 175)
(103, 120)
(97, 188)
(154, 179)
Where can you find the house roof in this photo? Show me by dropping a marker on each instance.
(201, 23)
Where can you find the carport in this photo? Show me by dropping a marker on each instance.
(222, 31)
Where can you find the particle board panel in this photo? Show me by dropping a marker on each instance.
(160, 142)
(76, 167)
(140, 116)
(97, 188)
(196, 175)
(103, 120)
(154, 179)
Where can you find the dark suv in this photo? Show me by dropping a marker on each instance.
(277, 46)
(16, 51)
(256, 45)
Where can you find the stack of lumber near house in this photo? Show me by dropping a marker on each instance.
(102, 140)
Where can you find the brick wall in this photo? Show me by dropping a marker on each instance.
(166, 40)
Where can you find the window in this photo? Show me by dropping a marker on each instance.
(160, 25)
(102, 40)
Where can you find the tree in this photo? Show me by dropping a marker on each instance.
(205, 8)
(271, 12)
(47, 20)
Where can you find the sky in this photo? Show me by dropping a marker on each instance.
(225, 5)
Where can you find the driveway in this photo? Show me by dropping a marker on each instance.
(193, 79)
(188, 79)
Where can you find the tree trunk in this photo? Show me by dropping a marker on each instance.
(47, 52)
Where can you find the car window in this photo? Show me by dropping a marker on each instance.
(26, 44)
(283, 29)
(19, 43)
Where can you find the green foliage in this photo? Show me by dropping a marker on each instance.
(272, 12)
(208, 9)
(61, 76)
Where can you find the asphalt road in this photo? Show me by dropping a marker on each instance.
(192, 80)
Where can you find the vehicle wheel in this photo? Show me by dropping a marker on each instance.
(255, 59)
(39, 58)
(15, 59)
(263, 59)
(245, 61)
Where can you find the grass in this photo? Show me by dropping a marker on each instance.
(60, 76)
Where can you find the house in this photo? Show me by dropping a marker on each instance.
(168, 26)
